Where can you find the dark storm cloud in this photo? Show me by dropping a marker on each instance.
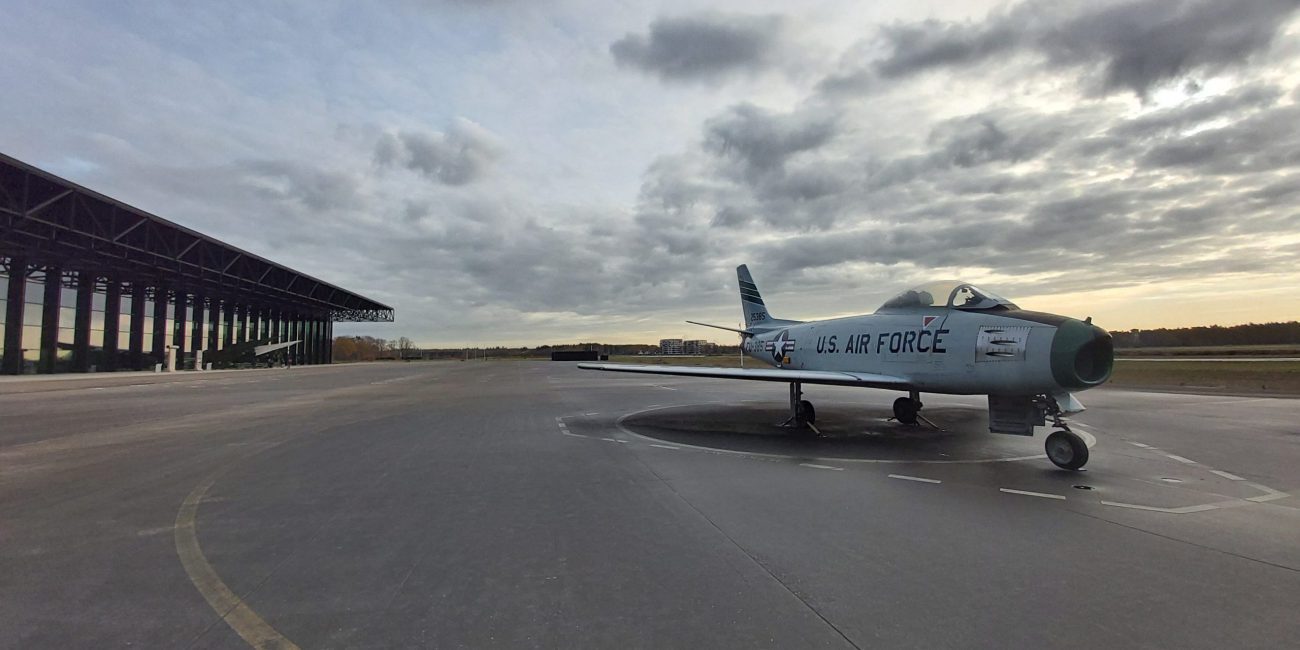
(703, 46)
(763, 140)
(463, 154)
(1128, 45)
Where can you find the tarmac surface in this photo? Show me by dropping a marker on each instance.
(531, 504)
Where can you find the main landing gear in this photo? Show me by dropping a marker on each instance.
(907, 409)
(1065, 448)
(802, 413)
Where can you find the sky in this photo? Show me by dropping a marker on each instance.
(528, 172)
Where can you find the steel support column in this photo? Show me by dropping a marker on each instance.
(254, 323)
(295, 325)
(310, 325)
(214, 324)
(329, 342)
(178, 326)
(304, 333)
(15, 296)
(112, 322)
(196, 325)
(81, 323)
(240, 323)
(228, 325)
(50, 319)
(136, 336)
(317, 341)
(159, 347)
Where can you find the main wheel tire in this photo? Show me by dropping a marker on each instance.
(807, 412)
(1066, 450)
(905, 410)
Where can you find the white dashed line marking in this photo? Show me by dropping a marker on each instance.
(1181, 459)
(816, 466)
(915, 478)
(1033, 494)
(666, 447)
(573, 435)
(614, 440)
(1173, 511)
(1272, 494)
(591, 413)
(1230, 477)
(1138, 444)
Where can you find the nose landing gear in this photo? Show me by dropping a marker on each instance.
(1065, 448)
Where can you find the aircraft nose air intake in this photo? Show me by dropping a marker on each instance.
(1082, 355)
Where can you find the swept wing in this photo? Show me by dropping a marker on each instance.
(832, 377)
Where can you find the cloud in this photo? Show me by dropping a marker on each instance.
(463, 154)
(763, 140)
(704, 46)
(1116, 46)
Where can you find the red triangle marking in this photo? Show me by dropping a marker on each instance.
(928, 320)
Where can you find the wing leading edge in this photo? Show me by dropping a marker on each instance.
(835, 378)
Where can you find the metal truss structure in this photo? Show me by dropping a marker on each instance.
(96, 244)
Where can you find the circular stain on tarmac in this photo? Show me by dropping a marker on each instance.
(850, 432)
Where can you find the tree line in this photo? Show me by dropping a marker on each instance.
(369, 348)
(1249, 334)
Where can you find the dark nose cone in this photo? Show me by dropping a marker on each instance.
(1082, 355)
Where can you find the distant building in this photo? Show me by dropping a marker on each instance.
(698, 346)
(670, 346)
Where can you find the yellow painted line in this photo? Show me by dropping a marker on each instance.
(231, 608)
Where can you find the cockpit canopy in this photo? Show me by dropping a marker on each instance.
(952, 294)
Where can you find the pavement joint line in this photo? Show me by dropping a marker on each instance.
(816, 466)
(1033, 494)
(1181, 459)
(664, 446)
(918, 479)
(1229, 476)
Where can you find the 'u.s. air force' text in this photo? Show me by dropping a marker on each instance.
(891, 342)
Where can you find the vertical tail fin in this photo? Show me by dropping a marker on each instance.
(756, 314)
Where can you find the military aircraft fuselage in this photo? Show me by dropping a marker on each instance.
(947, 350)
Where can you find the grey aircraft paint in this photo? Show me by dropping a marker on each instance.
(943, 337)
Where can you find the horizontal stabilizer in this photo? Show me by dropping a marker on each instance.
(729, 329)
(831, 377)
(272, 347)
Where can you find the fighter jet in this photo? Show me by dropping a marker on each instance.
(946, 337)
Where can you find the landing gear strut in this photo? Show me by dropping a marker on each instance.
(1065, 448)
(907, 408)
(802, 412)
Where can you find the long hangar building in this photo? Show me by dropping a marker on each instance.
(89, 283)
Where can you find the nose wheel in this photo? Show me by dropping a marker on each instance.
(1066, 450)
